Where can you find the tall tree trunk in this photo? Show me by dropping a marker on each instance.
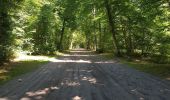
(130, 50)
(100, 38)
(100, 34)
(95, 35)
(60, 46)
(71, 42)
(128, 38)
(125, 39)
(112, 27)
(103, 40)
(88, 44)
(143, 42)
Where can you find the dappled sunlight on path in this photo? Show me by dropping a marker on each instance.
(84, 75)
(23, 57)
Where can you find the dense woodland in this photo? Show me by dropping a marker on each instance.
(128, 28)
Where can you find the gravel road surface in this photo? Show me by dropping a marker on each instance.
(84, 75)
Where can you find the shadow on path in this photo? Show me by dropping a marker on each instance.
(84, 75)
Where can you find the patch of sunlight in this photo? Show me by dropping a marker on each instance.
(168, 33)
(76, 61)
(23, 57)
(73, 84)
(90, 79)
(3, 71)
(3, 77)
(79, 55)
(39, 92)
(58, 53)
(4, 98)
(38, 95)
(70, 83)
(77, 51)
(100, 62)
(25, 98)
(77, 98)
(168, 78)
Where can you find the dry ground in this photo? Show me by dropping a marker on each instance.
(83, 75)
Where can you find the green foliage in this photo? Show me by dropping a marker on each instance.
(44, 37)
(6, 38)
(126, 27)
(5, 31)
(25, 24)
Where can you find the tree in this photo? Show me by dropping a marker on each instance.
(133, 28)
(44, 37)
(6, 38)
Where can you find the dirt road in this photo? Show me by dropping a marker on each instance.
(83, 75)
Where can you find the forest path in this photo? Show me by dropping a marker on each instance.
(83, 75)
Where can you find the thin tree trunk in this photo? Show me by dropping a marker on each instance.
(71, 42)
(125, 39)
(87, 41)
(143, 39)
(112, 26)
(103, 40)
(130, 49)
(61, 38)
(100, 34)
(95, 35)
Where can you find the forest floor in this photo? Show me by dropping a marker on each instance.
(84, 75)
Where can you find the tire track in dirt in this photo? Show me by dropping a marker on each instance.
(84, 75)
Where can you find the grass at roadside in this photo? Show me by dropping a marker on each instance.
(108, 55)
(15, 69)
(160, 70)
(25, 63)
